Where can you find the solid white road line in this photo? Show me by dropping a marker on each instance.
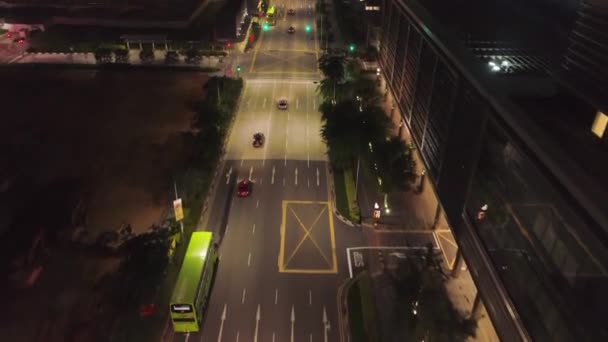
(253, 229)
(272, 179)
(276, 296)
(243, 296)
(293, 321)
(223, 318)
(296, 176)
(317, 176)
(258, 316)
(228, 175)
(249, 260)
(309, 297)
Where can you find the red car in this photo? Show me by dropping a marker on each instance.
(243, 188)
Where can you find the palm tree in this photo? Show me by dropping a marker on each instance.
(332, 67)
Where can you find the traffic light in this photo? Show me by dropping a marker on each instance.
(228, 45)
(307, 28)
(266, 27)
(238, 68)
(351, 48)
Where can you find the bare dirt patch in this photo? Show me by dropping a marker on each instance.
(116, 132)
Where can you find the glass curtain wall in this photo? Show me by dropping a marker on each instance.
(552, 260)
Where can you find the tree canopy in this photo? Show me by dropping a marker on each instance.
(348, 131)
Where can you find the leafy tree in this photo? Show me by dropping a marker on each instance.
(348, 131)
(393, 162)
(429, 314)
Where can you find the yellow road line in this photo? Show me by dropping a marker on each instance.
(307, 235)
(255, 51)
(285, 72)
(310, 270)
(453, 243)
(334, 263)
(289, 50)
(282, 236)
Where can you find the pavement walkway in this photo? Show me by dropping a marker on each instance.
(415, 212)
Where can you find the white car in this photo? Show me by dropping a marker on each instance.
(282, 104)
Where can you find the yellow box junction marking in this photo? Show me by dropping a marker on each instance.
(282, 263)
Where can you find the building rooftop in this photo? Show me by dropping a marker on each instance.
(137, 13)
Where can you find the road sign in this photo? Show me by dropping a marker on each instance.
(178, 209)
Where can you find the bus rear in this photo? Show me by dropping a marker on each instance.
(184, 317)
(270, 16)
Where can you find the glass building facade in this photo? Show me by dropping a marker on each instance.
(538, 256)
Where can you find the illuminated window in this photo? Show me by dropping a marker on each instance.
(599, 124)
(372, 8)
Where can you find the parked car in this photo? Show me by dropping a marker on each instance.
(171, 57)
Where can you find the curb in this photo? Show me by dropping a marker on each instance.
(343, 306)
(220, 163)
(330, 183)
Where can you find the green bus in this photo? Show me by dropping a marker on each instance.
(270, 16)
(193, 285)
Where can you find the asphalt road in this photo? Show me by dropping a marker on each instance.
(283, 253)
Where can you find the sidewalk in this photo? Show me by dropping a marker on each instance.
(411, 210)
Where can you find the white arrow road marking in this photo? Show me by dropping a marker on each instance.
(219, 336)
(264, 103)
(250, 172)
(326, 325)
(293, 321)
(257, 322)
(276, 295)
(243, 296)
(228, 175)
(187, 337)
(296, 172)
(272, 179)
(317, 176)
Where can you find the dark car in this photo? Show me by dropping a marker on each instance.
(258, 139)
(171, 57)
(282, 104)
(291, 11)
(243, 188)
(291, 29)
